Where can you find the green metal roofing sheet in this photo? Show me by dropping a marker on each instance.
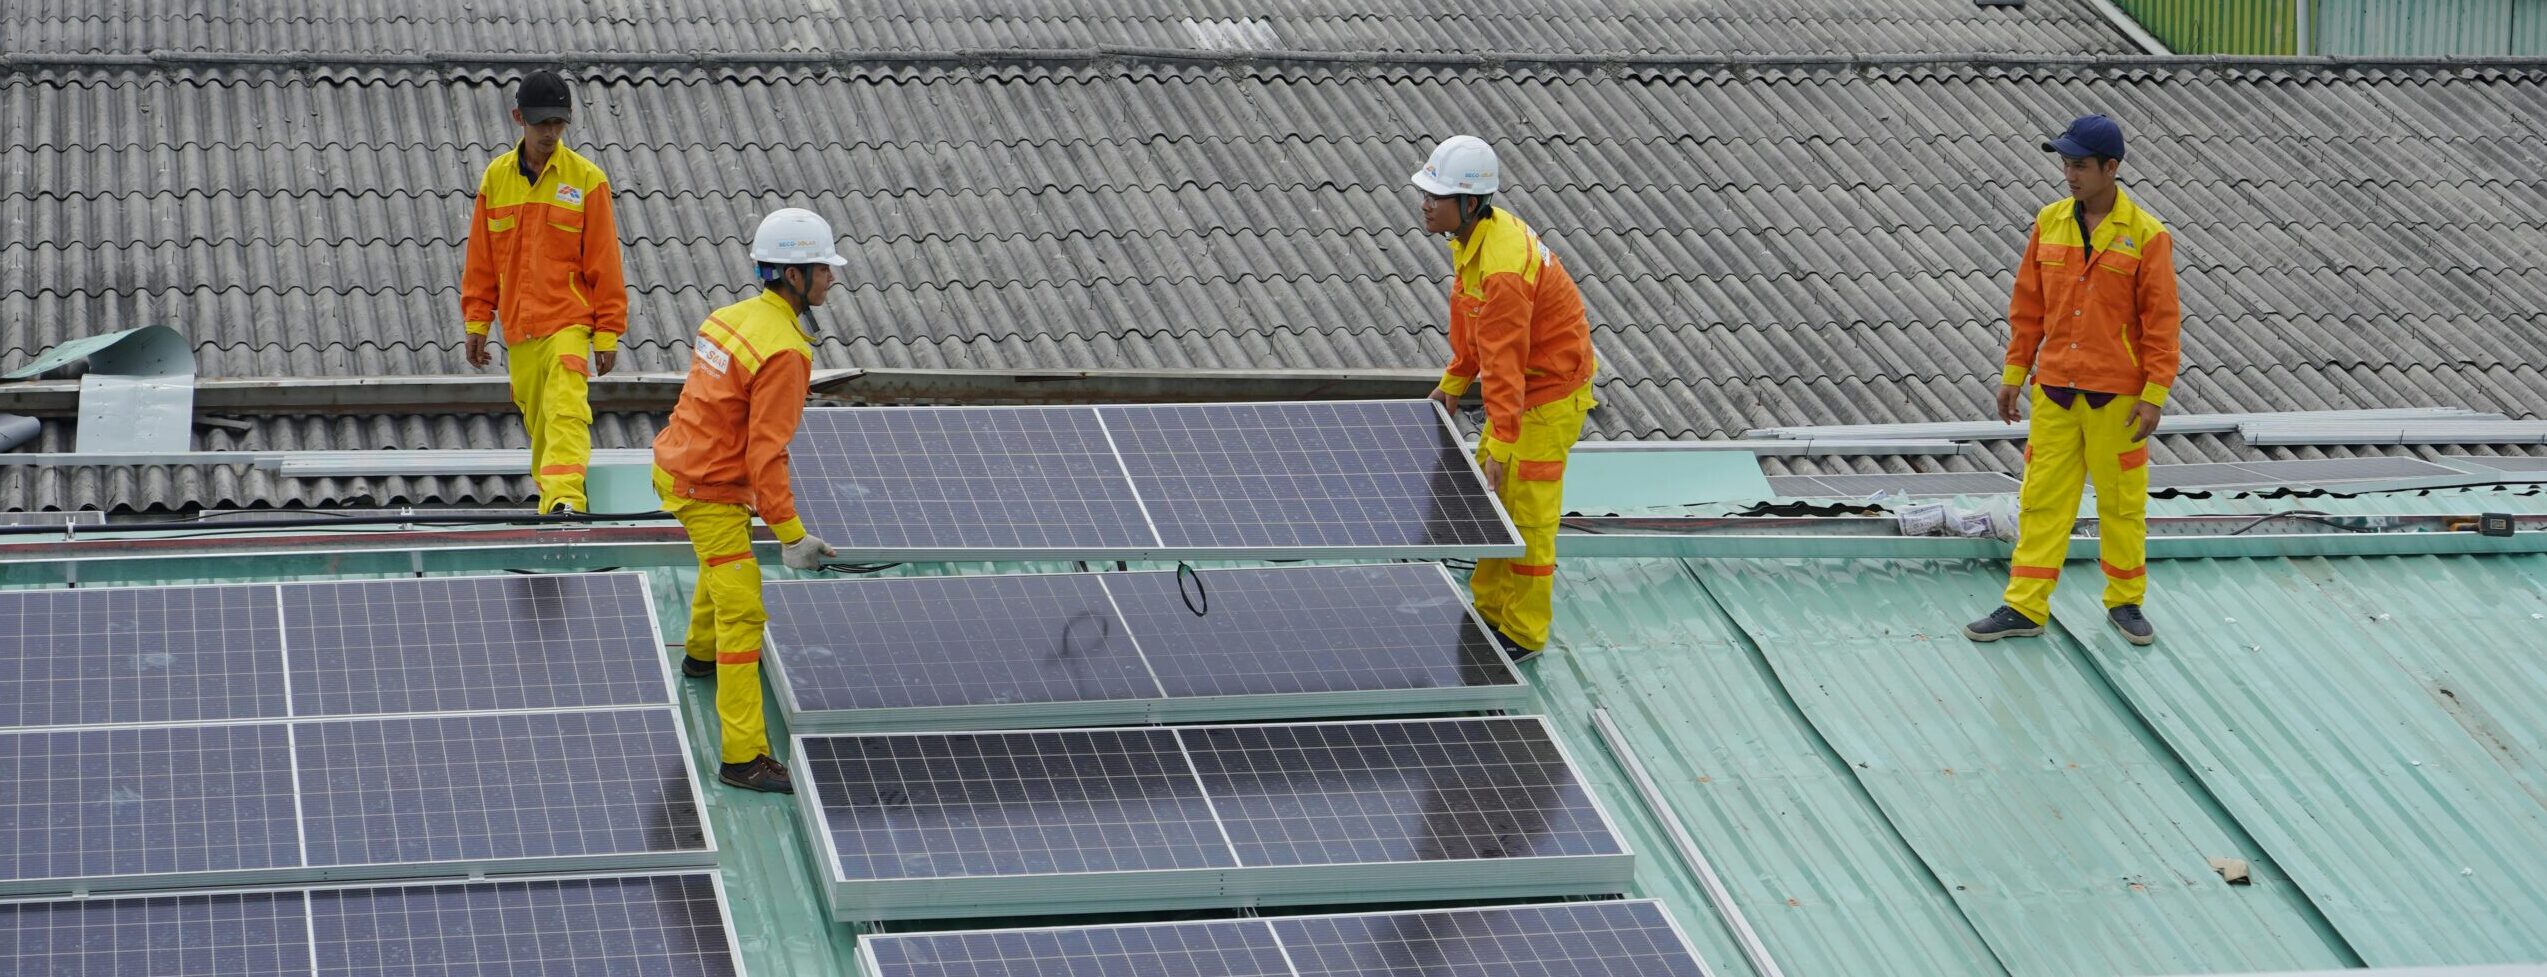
(2308, 695)
(2037, 798)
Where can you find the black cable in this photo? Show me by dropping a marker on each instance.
(1184, 572)
(857, 567)
(2303, 515)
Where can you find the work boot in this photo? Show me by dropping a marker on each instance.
(762, 773)
(697, 668)
(2133, 625)
(2003, 623)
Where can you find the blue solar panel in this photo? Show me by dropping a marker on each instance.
(255, 934)
(945, 641)
(1583, 939)
(536, 785)
(1227, 948)
(144, 654)
(136, 801)
(203, 653)
(1305, 476)
(1372, 478)
(965, 479)
(660, 926)
(1294, 630)
(670, 925)
(1359, 793)
(466, 644)
(947, 805)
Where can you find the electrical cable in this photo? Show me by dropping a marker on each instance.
(1185, 571)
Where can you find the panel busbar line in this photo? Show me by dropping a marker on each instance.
(1068, 649)
(184, 654)
(1334, 479)
(668, 925)
(1625, 938)
(976, 824)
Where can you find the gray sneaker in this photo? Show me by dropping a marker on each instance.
(2003, 623)
(2133, 625)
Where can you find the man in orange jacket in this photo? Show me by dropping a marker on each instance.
(1516, 325)
(723, 457)
(2095, 317)
(543, 259)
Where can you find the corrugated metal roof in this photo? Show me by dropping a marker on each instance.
(2372, 722)
(1759, 244)
(571, 27)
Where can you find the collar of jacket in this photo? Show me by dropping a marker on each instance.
(779, 306)
(2126, 214)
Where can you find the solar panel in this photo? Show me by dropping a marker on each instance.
(964, 824)
(669, 925)
(459, 788)
(151, 805)
(1027, 479)
(208, 653)
(1024, 650)
(1634, 938)
(459, 644)
(85, 657)
(1305, 475)
(1374, 479)
(917, 642)
(145, 801)
(1399, 628)
(251, 934)
(1424, 791)
(659, 925)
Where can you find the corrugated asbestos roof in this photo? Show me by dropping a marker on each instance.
(1760, 244)
(569, 27)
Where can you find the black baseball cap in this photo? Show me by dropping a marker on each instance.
(2089, 135)
(543, 96)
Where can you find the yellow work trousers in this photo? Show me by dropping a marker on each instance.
(1517, 596)
(726, 615)
(551, 377)
(2065, 448)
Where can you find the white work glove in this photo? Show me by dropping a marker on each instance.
(808, 552)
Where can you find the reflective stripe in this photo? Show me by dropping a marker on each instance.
(1535, 569)
(576, 363)
(752, 657)
(1542, 471)
(2119, 573)
(2035, 573)
(562, 470)
(2029, 451)
(2135, 458)
(718, 561)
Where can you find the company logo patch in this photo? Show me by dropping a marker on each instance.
(569, 195)
(715, 358)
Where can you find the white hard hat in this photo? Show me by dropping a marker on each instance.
(795, 236)
(1460, 165)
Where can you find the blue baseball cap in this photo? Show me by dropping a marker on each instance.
(2089, 135)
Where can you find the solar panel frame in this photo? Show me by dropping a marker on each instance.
(1158, 546)
(874, 949)
(961, 895)
(1157, 658)
(293, 738)
(302, 956)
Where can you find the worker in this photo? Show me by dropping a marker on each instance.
(543, 259)
(723, 457)
(2094, 318)
(1518, 332)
